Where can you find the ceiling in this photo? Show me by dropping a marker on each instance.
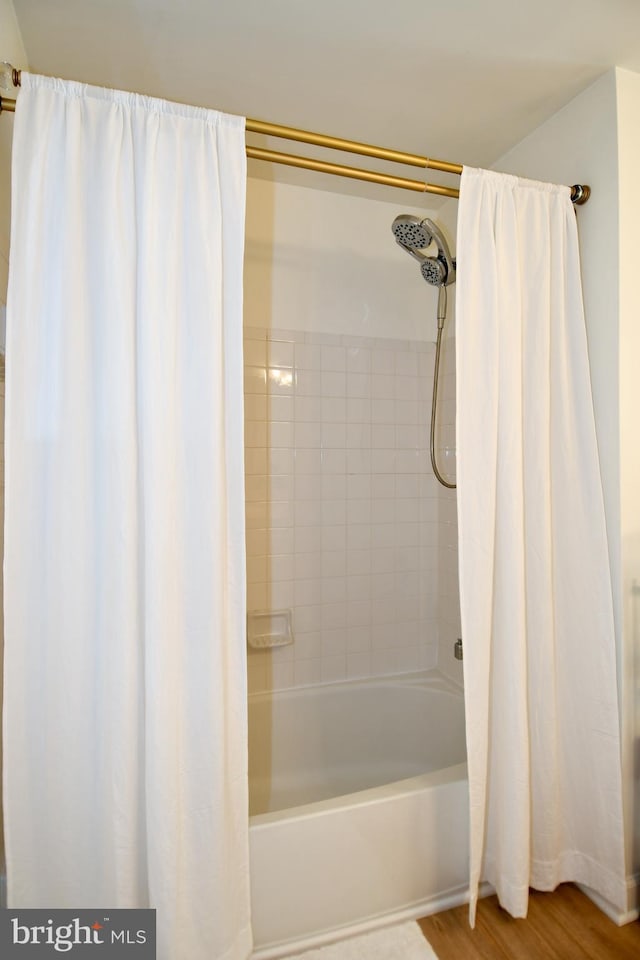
(462, 81)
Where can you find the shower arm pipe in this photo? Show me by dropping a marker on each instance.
(579, 193)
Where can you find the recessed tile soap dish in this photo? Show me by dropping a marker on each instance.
(269, 628)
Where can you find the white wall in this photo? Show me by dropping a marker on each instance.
(595, 139)
(628, 91)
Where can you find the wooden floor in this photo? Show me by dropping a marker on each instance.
(564, 925)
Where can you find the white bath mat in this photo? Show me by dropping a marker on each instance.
(402, 942)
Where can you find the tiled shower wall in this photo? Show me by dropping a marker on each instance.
(346, 525)
(345, 522)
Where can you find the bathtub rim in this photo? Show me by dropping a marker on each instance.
(429, 679)
(386, 792)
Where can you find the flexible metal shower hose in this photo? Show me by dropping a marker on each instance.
(434, 401)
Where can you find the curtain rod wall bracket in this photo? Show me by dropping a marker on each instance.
(580, 193)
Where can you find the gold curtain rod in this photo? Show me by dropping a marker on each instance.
(579, 193)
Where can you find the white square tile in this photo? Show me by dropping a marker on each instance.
(334, 435)
(358, 436)
(358, 410)
(383, 461)
(358, 611)
(280, 596)
(308, 435)
(358, 511)
(383, 535)
(333, 589)
(255, 461)
(257, 514)
(281, 540)
(334, 461)
(359, 536)
(334, 512)
(280, 434)
(333, 410)
(358, 638)
(307, 592)
(334, 669)
(258, 596)
(383, 486)
(358, 486)
(282, 675)
(255, 353)
(307, 539)
(358, 665)
(281, 567)
(307, 645)
(358, 562)
(334, 383)
(306, 619)
(307, 356)
(281, 461)
(281, 408)
(383, 387)
(308, 566)
(333, 486)
(383, 560)
(308, 409)
(406, 363)
(334, 642)
(281, 487)
(359, 587)
(383, 585)
(383, 410)
(280, 353)
(383, 436)
(256, 488)
(256, 433)
(280, 513)
(309, 383)
(358, 359)
(334, 358)
(280, 381)
(334, 537)
(257, 543)
(307, 672)
(306, 513)
(307, 461)
(384, 510)
(308, 486)
(256, 569)
(359, 385)
(334, 563)
(382, 361)
(255, 407)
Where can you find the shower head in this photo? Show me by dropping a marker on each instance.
(412, 232)
(414, 236)
(434, 271)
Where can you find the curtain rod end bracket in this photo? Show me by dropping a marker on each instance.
(580, 193)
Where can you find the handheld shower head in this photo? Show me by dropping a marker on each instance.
(414, 236)
(434, 271)
(412, 232)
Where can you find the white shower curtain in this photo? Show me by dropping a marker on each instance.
(535, 589)
(125, 777)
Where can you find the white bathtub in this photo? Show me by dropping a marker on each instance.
(359, 803)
